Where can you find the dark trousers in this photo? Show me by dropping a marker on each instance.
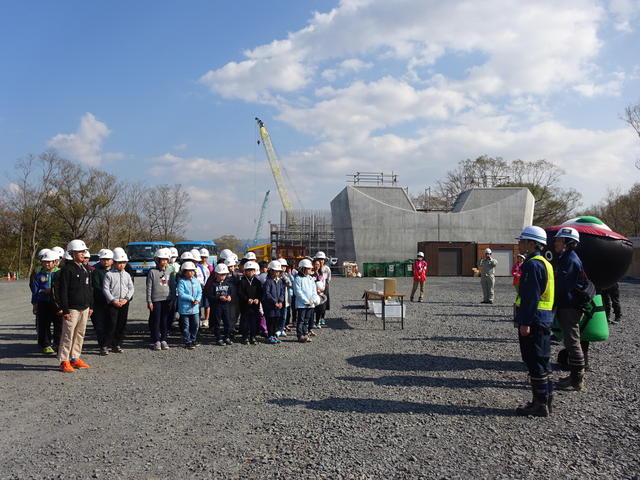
(249, 323)
(160, 320)
(305, 315)
(100, 319)
(116, 325)
(611, 298)
(272, 325)
(220, 315)
(45, 319)
(319, 312)
(536, 353)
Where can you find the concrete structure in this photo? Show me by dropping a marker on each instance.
(381, 224)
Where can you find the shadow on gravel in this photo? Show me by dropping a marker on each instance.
(21, 367)
(463, 339)
(361, 405)
(21, 350)
(359, 306)
(478, 315)
(338, 324)
(438, 382)
(413, 362)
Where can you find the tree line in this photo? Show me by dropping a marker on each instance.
(49, 200)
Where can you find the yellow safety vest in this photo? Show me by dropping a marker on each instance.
(546, 299)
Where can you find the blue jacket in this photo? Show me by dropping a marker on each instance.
(272, 293)
(42, 281)
(532, 284)
(305, 290)
(189, 289)
(569, 274)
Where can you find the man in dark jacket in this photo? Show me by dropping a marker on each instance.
(569, 277)
(75, 294)
(534, 317)
(249, 295)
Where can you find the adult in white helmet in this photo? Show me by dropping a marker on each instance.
(118, 290)
(304, 286)
(534, 317)
(75, 295)
(570, 278)
(487, 266)
(160, 296)
(419, 276)
(100, 317)
(326, 273)
(43, 305)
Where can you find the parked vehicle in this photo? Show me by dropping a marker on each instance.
(208, 244)
(141, 255)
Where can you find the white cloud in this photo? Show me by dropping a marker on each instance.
(86, 144)
(625, 13)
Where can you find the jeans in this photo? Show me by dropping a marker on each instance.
(160, 320)
(305, 315)
(220, 314)
(283, 319)
(190, 325)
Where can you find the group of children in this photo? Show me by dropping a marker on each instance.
(255, 299)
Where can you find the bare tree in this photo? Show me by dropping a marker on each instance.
(632, 117)
(165, 209)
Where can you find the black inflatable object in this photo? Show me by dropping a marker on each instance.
(605, 254)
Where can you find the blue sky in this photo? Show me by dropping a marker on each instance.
(167, 91)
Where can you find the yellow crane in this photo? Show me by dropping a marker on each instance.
(275, 169)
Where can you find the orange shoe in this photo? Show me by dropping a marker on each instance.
(66, 367)
(79, 364)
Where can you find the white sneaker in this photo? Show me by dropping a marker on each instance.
(157, 346)
(205, 324)
(284, 334)
(279, 333)
(164, 345)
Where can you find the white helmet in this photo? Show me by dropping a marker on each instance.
(187, 266)
(420, 255)
(196, 255)
(204, 252)
(283, 262)
(570, 233)
(320, 256)
(224, 254)
(59, 251)
(305, 263)
(87, 254)
(537, 234)
(187, 256)
(221, 268)
(67, 256)
(488, 250)
(230, 262)
(163, 253)
(119, 255)
(251, 265)
(42, 252)
(275, 266)
(174, 252)
(105, 253)
(76, 246)
(49, 256)
(249, 256)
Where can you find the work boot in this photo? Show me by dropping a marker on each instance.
(575, 381)
(536, 408)
(550, 397)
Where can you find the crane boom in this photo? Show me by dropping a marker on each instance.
(261, 218)
(275, 167)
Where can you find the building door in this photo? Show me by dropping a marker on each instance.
(505, 262)
(450, 261)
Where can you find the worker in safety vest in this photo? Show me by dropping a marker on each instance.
(487, 267)
(534, 318)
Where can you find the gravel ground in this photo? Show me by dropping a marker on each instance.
(434, 400)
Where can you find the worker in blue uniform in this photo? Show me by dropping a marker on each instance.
(534, 318)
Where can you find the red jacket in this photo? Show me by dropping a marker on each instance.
(517, 273)
(420, 270)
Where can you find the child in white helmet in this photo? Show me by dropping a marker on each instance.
(189, 299)
(118, 291)
(219, 291)
(205, 270)
(249, 295)
(304, 286)
(286, 307)
(160, 294)
(44, 308)
(273, 300)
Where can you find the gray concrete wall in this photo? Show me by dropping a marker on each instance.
(379, 224)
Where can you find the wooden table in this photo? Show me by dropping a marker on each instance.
(376, 295)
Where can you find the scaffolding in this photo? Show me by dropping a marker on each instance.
(311, 230)
(380, 179)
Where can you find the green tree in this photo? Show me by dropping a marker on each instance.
(228, 241)
(620, 211)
